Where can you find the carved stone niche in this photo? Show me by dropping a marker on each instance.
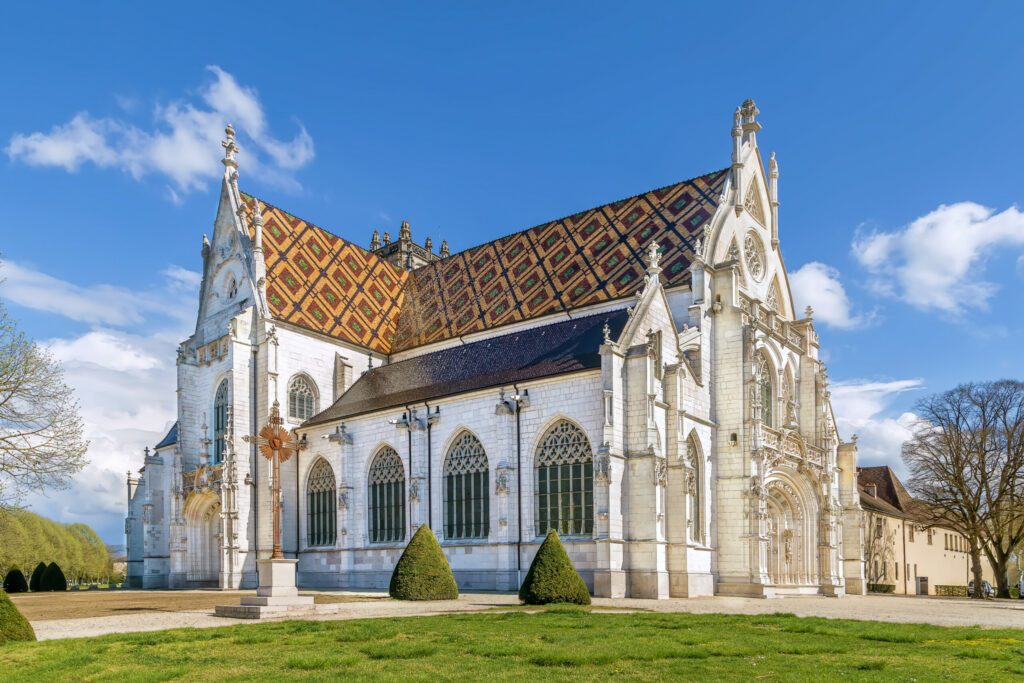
(602, 469)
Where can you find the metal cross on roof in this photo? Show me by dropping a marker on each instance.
(277, 444)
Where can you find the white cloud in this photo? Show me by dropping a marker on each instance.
(937, 261)
(863, 408)
(817, 285)
(183, 144)
(125, 381)
(100, 304)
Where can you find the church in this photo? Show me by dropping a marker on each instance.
(633, 376)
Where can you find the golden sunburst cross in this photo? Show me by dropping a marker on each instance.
(277, 444)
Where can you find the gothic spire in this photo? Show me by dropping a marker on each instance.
(404, 233)
(230, 150)
(444, 248)
(375, 241)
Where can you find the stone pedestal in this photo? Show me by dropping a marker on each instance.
(276, 595)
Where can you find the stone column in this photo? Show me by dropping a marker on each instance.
(853, 515)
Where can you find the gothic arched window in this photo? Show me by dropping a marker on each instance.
(301, 398)
(386, 496)
(220, 421)
(466, 495)
(766, 392)
(695, 488)
(565, 481)
(321, 505)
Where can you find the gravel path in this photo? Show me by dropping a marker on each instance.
(939, 611)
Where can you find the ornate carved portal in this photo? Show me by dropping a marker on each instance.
(792, 531)
(203, 536)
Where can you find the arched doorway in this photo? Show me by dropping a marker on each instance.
(792, 536)
(203, 538)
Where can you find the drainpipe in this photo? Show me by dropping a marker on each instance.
(519, 490)
(905, 563)
(253, 453)
(408, 430)
(430, 479)
(297, 501)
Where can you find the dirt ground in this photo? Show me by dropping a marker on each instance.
(102, 603)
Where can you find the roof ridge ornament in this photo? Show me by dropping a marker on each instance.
(230, 149)
(653, 258)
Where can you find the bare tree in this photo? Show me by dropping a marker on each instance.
(41, 431)
(966, 462)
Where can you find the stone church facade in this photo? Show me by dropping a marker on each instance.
(634, 376)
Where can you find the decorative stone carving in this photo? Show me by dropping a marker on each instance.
(753, 252)
(414, 490)
(660, 472)
(602, 472)
(501, 482)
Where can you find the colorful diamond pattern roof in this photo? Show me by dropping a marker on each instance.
(587, 258)
(324, 283)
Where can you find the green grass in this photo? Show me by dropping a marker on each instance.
(559, 644)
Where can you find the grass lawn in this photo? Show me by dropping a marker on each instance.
(558, 643)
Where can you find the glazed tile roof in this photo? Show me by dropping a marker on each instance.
(322, 282)
(587, 258)
(555, 349)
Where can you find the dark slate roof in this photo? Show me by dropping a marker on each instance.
(877, 504)
(171, 438)
(555, 349)
(890, 488)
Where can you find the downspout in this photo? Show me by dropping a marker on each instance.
(298, 452)
(253, 454)
(430, 479)
(408, 431)
(519, 492)
(906, 565)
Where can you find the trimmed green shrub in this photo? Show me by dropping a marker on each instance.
(552, 577)
(422, 572)
(13, 625)
(15, 582)
(53, 579)
(37, 577)
(881, 588)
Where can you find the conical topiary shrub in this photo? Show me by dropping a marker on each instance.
(422, 572)
(15, 582)
(552, 578)
(53, 579)
(13, 625)
(37, 577)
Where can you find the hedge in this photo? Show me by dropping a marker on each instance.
(53, 579)
(13, 625)
(423, 572)
(958, 591)
(881, 588)
(552, 577)
(37, 577)
(15, 582)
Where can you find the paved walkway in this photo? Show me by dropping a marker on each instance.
(939, 611)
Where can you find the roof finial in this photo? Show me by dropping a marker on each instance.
(375, 241)
(387, 237)
(737, 162)
(404, 233)
(429, 245)
(773, 197)
(750, 124)
(653, 258)
(444, 249)
(230, 149)
(607, 332)
(809, 313)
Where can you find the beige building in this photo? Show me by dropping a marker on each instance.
(900, 550)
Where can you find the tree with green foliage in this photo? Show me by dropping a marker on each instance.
(35, 583)
(15, 582)
(552, 577)
(13, 625)
(53, 579)
(27, 539)
(423, 572)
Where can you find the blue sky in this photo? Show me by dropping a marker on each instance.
(895, 126)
